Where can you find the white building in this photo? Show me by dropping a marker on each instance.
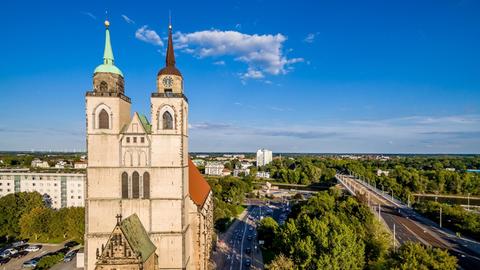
(263, 174)
(264, 157)
(214, 168)
(237, 172)
(80, 165)
(381, 172)
(64, 189)
(37, 163)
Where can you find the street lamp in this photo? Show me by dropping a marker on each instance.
(392, 192)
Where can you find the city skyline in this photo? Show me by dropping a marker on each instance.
(329, 78)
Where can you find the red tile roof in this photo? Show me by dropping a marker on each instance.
(198, 186)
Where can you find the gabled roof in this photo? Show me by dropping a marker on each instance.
(137, 237)
(138, 119)
(198, 186)
(146, 125)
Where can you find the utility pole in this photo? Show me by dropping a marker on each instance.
(440, 216)
(379, 211)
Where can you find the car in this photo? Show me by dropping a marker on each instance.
(70, 255)
(19, 254)
(21, 247)
(249, 238)
(33, 248)
(71, 244)
(248, 263)
(248, 250)
(250, 228)
(30, 263)
(4, 261)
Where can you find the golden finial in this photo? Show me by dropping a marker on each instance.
(107, 23)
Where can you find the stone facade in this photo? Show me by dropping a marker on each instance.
(140, 167)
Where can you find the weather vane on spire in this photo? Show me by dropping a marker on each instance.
(107, 23)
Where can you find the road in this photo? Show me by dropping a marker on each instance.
(410, 226)
(232, 253)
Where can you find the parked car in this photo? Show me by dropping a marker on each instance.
(248, 263)
(249, 238)
(248, 250)
(71, 244)
(33, 248)
(30, 263)
(21, 247)
(4, 261)
(20, 254)
(70, 255)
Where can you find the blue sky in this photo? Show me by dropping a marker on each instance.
(308, 76)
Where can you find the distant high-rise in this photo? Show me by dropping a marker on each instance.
(264, 157)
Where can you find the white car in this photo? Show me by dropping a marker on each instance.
(33, 248)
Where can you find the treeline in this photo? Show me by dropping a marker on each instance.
(330, 231)
(453, 217)
(24, 216)
(419, 175)
(229, 195)
(302, 170)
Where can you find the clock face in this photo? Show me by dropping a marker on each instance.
(168, 81)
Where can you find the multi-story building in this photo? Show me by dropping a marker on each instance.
(264, 157)
(238, 172)
(141, 167)
(263, 174)
(64, 189)
(214, 168)
(37, 163)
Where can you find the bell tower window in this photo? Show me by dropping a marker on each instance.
(167, 121)
(135, 185)
(103, 86)
(103, 120)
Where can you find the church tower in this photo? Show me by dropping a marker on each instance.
(141, 167)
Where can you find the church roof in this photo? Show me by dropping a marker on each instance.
(146, 125)
(170, 68)
(198, 186)
(108, 65)
(137, 237)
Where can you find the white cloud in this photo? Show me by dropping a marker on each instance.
(263, 54)
(310, 37)
(149, 36)
(252, 74)
(127, 19)
(89, 14)
(219, 63)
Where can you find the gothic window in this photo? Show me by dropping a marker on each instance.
(135, 185)
(146, 185)
(124, 185)
(103, 86)
(167, 121)
(103, 119)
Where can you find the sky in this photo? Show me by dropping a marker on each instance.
(302, 76)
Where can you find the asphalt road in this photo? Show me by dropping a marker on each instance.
(232, 252)
(410, 226)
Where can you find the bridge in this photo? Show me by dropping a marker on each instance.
(408, 225)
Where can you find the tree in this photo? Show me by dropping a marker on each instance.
(266, 231)
(281, 262)
(416, 256)
(12, 207)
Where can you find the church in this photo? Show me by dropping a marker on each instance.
(147, 205)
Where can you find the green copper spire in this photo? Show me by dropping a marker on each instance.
(108, 60)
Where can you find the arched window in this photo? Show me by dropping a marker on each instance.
(103, 86)
(167, 121)
(103, 119)
(146, 185)
(135, 185)
(124, 185)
